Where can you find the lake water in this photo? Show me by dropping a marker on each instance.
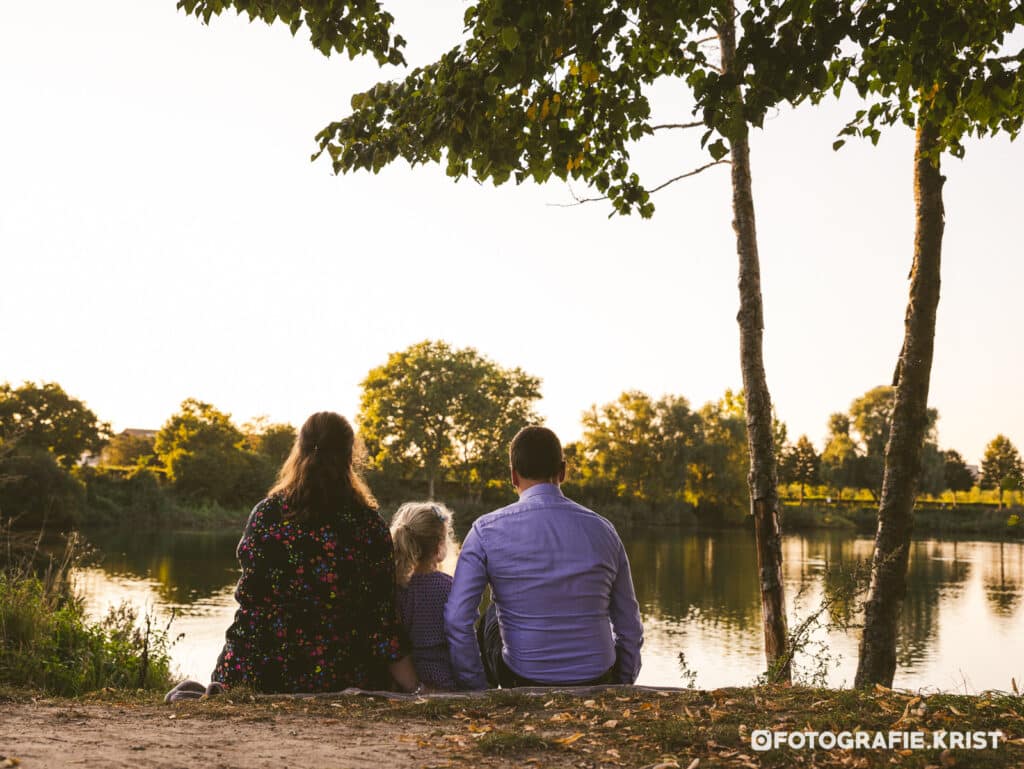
(962, 623)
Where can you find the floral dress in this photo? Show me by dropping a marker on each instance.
(316, 608)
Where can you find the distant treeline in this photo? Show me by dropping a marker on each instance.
(436, 421)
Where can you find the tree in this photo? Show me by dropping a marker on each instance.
(272, 440)
(802, 465)
(127, 449)
(206, 459)
(640, 446)
(717, 481)
(840, 467)
(543, 88)
(431, 408)
(871, 417)
(45, 417)
(956, 474)
(1001, 467)
(938, 68)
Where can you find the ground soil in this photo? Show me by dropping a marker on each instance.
(607, 729)
(55, 735)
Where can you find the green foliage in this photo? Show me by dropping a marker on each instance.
(349, 26)
(717, 482)
(854, 455)
(940, 63)
(206, 459)
(839, 460)
(35, 491)
(45, 417)
(554, 88)
(1001, 467)
(128, 450)
(640, 447)
(800, 464)
(48, 644)
(271, 440)
(432, 410)
(955, 473)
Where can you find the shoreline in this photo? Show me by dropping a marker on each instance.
(616, 727)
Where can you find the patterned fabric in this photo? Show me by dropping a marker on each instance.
(421, 607)
(316, 608)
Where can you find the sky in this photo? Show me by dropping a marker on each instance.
(164, 235)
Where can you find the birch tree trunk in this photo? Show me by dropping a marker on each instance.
(762, 481)
(903, 452)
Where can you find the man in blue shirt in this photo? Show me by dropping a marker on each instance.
(563, 610)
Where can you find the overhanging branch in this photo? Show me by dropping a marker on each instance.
(580, 201)
(695, 124)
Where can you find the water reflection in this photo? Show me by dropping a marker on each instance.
(698, 593)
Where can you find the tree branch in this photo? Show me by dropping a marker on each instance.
(694, 172)
(695, 124)
(580, 201)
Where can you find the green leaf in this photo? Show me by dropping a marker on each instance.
(718, 149)
(510, 38)
(838, 143)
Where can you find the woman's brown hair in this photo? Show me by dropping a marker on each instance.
(321, 475)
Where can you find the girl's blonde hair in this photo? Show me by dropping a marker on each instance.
(418, 529)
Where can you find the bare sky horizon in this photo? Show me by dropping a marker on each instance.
(163, 235)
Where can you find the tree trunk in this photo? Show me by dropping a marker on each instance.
(903, 452)
(762, 481)
(430, 487)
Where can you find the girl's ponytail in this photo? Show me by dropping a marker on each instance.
(418, 531)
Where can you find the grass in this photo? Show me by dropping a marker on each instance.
(509, 743)
(47, 644)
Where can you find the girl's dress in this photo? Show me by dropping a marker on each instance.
(316, 609)
(421, 607)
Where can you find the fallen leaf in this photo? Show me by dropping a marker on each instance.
(570, 739)
(694, 764)
(610, 724)
(627, 713)
(613, 753)
(589, 704)
(549, 703)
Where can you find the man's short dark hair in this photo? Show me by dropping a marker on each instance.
(536, 454)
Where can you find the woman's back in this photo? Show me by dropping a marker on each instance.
(315, 602)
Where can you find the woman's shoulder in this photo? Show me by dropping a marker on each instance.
(267, 511)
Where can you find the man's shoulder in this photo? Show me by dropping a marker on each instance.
(519, 508)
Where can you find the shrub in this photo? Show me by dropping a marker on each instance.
(47, 643)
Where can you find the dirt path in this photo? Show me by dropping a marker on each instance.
(52, 736)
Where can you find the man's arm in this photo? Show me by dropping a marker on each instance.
(626, 625)
(461, 612)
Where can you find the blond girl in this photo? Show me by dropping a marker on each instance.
(421, 532)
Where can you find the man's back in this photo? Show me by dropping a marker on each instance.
(560, 580)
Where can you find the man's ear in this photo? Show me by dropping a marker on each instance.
(515, 478)
(561, 472)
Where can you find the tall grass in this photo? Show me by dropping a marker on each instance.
(48, 644)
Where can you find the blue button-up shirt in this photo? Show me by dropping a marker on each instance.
(560, 580)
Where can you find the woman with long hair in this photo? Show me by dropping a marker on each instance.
(316, 605)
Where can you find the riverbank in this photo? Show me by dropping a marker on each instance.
(615, 727)
(929, 520)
